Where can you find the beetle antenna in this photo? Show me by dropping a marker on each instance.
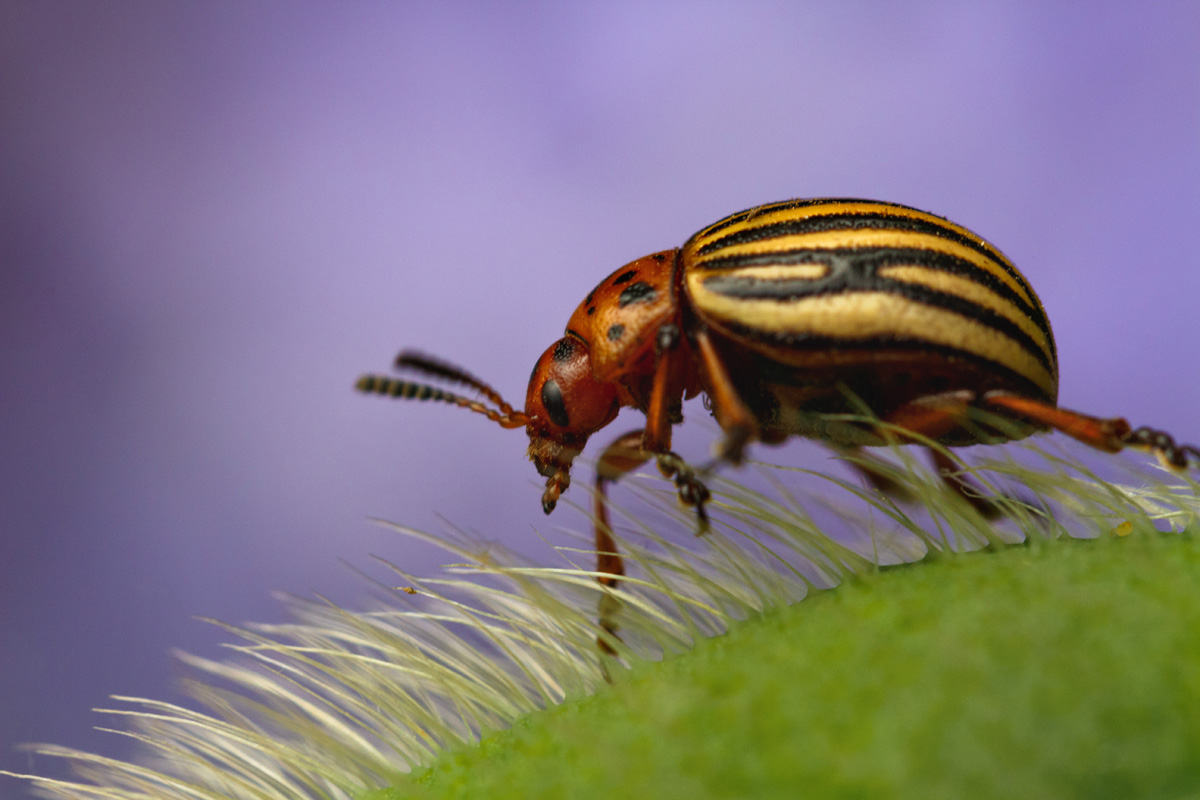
(420, 362)
(407, 390)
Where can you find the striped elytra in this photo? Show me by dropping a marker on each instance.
(872, 281)
(782, 315)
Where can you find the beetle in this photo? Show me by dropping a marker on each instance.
(783, 315)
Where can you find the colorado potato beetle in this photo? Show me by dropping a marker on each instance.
(782, 315)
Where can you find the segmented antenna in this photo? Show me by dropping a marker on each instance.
(420, 362)
(408, 390)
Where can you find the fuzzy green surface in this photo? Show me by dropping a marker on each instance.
(1060, 669)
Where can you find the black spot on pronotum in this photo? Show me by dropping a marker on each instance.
(625, 277)
(591, 310)
(640, 292)
(659, 257)
(552, 399)
(615, 332)
(563, 350)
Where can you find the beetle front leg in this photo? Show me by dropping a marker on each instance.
(621, 457)
(625, 454)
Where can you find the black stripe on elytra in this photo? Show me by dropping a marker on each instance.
(787, 205)
(854, 268)
(852, 222)
(887, 344)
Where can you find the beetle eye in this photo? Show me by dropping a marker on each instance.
(552, 399)
(565, 396)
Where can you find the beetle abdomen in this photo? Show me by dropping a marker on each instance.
(856, 282)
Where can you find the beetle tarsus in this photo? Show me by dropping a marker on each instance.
(1163, 445)
(692, 491)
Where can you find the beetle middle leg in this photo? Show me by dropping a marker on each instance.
(733, 415)
(951, 476)
(875, 472)
(933, 417)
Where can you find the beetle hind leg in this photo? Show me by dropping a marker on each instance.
(1163, 445)
(933, 417)
(953, 477)
(1111, 434)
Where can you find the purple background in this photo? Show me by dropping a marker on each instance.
(215, 216)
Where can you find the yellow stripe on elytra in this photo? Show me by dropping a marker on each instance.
(780, 272)
(972, 292)
(867, 315)
(868, 239)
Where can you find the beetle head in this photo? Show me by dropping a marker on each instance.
(565, 405)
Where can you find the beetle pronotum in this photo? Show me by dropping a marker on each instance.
(782, 315)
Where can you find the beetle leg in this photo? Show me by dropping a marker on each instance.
(871, 469)
(657, 437)
(733, 415)
(624, 455)
(692, 491)
(934, 417)
(963, 487)
(868, 466)
(1109, 434)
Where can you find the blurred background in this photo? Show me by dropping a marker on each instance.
(214, 217)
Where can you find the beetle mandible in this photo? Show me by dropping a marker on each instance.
(782, 315)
